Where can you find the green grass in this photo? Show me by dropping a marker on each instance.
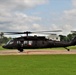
(1, 48)
(38, 65)
(72, 47)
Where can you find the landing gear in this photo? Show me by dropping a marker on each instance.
(67, 48)
(20, 49)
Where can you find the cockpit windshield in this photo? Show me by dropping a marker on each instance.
(10, 41)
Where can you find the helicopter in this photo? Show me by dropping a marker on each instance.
(35, 42)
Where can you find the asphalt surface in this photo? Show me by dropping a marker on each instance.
(36, 52)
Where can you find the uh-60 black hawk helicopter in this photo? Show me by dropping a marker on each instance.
(34, 42)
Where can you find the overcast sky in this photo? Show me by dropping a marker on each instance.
(35, 15)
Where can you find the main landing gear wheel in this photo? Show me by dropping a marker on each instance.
(21, 49)
(68, 49)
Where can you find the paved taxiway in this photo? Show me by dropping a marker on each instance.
(36, 52)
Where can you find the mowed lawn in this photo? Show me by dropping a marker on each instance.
(38, 65)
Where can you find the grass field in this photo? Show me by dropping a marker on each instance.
(38, 65)
(1, 48)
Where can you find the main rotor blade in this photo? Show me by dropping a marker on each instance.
(48, 31)
(28, 32)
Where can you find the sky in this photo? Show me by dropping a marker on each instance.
(37, 15)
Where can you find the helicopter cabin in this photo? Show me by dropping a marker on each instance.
(27, 42)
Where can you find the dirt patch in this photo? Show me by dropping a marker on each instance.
(36, 52)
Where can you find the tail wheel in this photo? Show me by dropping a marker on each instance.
(20, 49)
(67, 48)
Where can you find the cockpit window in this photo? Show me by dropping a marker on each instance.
(28, 42)
(10, 42)
(25, 42)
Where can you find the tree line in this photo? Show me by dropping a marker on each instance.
(67, 38)
(3, 39)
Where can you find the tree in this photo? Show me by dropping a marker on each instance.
(63, 38)
(67, 38)
(4, 40)
(70, 36)
(1, 34)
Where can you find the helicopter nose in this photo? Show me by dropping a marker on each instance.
(4, 46)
